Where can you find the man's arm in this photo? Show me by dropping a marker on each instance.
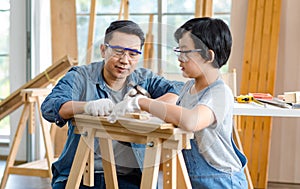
(70, 108)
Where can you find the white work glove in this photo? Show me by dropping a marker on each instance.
(128, 105)
(101, 107)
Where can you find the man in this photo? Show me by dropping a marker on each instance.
(94, 89)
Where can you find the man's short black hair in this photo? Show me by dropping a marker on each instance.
(124, 26)
(208, 33)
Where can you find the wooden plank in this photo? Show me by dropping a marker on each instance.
(256, 146)
(91, 33)
(274, 44)
(41, 164)
(198, 8)
(121, 9)
(148, 47)
(265, 50)
(55, 71)
(64, 41)
(248, 128)
(208, 8)
(270, 84)
(259, 67)
(248, 47)
(63, 29)
(256, 47)
(29, 171)
(148, 125)
(126, 10)
(203, 8)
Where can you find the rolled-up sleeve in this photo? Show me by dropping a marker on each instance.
(65, 90)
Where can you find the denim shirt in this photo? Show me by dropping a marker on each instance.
(86, 83)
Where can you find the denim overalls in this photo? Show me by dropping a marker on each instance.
(204, 176)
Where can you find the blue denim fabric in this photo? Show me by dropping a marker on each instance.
(124, 182)
(85, 83)
(204, 176)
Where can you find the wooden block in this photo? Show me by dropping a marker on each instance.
(140, 116)
(292, 97)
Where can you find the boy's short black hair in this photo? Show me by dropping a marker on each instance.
(208, 33)
(124, 26)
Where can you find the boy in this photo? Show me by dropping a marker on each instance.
(205, 106)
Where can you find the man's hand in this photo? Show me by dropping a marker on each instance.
(101, 107)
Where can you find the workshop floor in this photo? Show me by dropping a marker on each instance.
(28, 182)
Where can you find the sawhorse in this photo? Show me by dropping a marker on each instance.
(40, 168)
(163, 142)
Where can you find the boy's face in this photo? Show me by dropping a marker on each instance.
(191, 63)
(120, 63)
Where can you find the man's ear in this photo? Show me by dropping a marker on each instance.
(102, 50)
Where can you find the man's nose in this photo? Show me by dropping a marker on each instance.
(125, 57)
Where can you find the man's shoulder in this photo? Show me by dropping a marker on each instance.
(143, 71)
(87, 68)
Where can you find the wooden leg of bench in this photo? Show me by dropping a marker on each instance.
(182, 174)
(80, 159)
(108, 162)
(169, 168)
(151, 163)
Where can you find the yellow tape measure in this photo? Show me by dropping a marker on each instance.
(247, 99)
(244, 98)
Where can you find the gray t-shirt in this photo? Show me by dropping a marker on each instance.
(124, 157)
(214, 142)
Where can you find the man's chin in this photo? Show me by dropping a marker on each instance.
(121, 75)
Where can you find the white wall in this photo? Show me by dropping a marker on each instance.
(17, 65)
(284, 155)
(285, 151)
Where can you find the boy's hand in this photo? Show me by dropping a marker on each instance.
(128, 105)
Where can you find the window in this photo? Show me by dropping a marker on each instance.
(167, 11)
(4, 65)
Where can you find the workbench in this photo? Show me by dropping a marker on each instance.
(253, 109)
(257, 147)
(163, 145)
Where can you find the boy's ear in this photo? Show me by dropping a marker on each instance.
(102, 50)
(211, 56)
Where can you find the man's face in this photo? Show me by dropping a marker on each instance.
(120, 62)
